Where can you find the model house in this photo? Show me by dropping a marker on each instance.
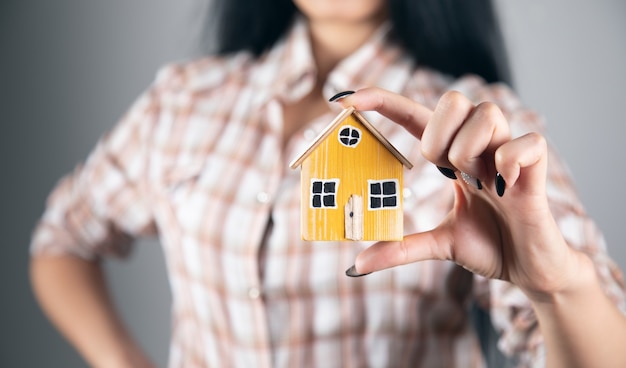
(351, 179)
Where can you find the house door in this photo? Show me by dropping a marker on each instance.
(354, 217)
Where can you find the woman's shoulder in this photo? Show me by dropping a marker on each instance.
(427, 86)
(435, 83)
(203, 73)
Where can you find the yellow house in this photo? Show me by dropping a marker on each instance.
(351, 179)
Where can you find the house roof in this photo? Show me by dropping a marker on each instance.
(331, 127)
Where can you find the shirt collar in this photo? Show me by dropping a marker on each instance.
(288, 71)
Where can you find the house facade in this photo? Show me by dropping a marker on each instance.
(351, 179)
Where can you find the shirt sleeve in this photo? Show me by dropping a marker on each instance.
(511, 312)
(98, 208)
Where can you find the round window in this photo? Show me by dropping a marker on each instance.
(349, 136)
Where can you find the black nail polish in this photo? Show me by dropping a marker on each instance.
(352, 272)
(449, 173)
(500, 184)
(340, 95)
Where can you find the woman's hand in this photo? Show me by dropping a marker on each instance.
(501, 225)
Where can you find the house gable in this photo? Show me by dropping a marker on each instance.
(345, 114)
(350, 159)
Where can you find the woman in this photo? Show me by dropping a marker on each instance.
(201, 159)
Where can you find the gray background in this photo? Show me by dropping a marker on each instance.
(69, 69)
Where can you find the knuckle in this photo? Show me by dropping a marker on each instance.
(489, 108)
(501, 160)
(489, 113)
(403, 252)
(457, 157)
(429, 152)
(453, 100)
(538, 140)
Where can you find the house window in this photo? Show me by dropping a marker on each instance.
(349, 136)
(383, 194)
(324, 193)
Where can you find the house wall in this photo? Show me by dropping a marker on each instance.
(353, 166)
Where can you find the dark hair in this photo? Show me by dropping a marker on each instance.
(456, 37)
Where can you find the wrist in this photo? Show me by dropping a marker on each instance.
(578, 282)
(580, 325)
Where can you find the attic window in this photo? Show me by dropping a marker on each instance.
(324, 193)
(383, 194)
(349, 136)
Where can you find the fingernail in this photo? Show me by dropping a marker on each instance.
(449, 173)
(468, 179)
(352, 272)
(340, 95)
(500, 184)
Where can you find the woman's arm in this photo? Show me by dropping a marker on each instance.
(580, 324)
(74, 295)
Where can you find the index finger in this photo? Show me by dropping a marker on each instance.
(404, 111)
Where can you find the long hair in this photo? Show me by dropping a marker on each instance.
(455, 37)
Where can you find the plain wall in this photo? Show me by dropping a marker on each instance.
(69, 69)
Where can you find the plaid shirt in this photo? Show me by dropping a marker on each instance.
(199, 160)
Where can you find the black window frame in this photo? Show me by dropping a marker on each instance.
(350, 137)
(381, 195)
(326, 195)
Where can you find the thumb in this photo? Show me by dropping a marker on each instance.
(434, 244)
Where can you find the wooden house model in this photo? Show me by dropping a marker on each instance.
(351, 179)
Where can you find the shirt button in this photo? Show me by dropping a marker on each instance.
(263, 197)
(406, 193)
(254, 293)
(309, 134)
